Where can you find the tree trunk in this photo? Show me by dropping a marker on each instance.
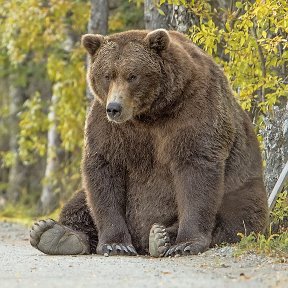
(98, 24)
(4, 138)
(275, 140)
(153, 19)
(48, 200)
(18, 173)
(181, 18)
(51, 184)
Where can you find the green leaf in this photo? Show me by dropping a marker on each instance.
(161, 12)
(239, 5)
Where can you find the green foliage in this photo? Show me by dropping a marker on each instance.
(8, 158)
(251, 45)
(275, 241)
(38, 26)
(280, 211)
(127, 16)
(34, 125)
(22, 214)
(250, 41)
(273, 244)
(18, 214)
(69, 78)
(40, 46)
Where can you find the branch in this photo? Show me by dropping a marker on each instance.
(261, 55)
(235, 17)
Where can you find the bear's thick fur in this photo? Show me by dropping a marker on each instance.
(165, 142)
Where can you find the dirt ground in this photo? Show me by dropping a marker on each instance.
(23, 266)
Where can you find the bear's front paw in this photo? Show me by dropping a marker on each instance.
(159, 241)
(187, 248)
(116, 249)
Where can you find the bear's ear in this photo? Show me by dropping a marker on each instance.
(92, 42)
(158, 40)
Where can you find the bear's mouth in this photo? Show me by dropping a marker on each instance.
(116, 121)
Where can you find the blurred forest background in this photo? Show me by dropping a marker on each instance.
(44, 98)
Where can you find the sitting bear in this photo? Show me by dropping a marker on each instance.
(171, 164)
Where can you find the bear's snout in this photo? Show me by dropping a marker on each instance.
(114, 110)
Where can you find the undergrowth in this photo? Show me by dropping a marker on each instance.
(21, 214)
(272, 245)
(275, 241)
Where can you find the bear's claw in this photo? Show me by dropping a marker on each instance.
(53, 238)
(116, 249)
(38, 229)
(183, 249)
(159, 241)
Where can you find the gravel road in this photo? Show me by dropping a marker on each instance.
(22, 266)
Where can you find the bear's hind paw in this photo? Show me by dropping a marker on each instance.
(55, 239)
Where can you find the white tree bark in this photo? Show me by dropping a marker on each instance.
(51, 183)
(275, 140)
(17, 182)
(98, 24)
(4, 138)
(153, 19)
(181, 19)
(48, 200)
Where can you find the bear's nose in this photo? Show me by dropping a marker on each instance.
(114, 110)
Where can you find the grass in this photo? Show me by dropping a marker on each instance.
(23, 215)
(275, 241)
(275, 245)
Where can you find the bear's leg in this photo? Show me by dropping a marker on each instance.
(161, 239)
(242, 211)
(76, 215)
(199, 190)
(74, 234)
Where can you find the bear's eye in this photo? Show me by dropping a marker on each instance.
(131, 78)
(107, 77)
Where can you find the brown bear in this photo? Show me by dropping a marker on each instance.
(166, 143)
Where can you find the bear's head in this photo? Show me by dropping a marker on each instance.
(126, 71)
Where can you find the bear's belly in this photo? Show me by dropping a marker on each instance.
(149, 201)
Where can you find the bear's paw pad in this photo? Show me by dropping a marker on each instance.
(53, 238)
(159, 241)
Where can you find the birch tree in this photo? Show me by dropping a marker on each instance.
(98, 24)
(156, 16)
(17, 172)
(48, 200)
